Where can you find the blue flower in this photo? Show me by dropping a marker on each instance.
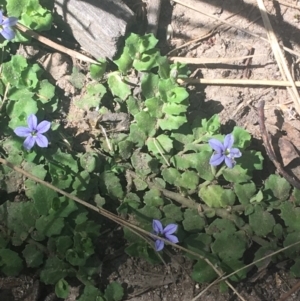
(164, 232)
(224, 151)
(33, 132)
(5, 26)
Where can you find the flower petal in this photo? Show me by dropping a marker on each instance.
(1, 17)
(43, 127)
(41, 140)
(229, 162)
(32, 122)
(157, 227)
(235, 153)
(8, 33)
(216, 145)
(11, 21)
(228, 141)
(216, 159)
(22, 131)
(170, 229)
(29, 142)
(159, 245)
(172, 238)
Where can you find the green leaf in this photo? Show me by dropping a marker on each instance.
(290, 215)
(163, 67)
(19, 111)
(164, 86)
(236, 174)
(33, 256)
(219, 226)
(15, 8)
(110, 185)
(62, 289)
(290, 239)
(171, 122)
(114, 292)
(154, 198)
(10, 262)
(65, 161)
(97, 71)
(261, 221)
(229, 246)
(50, 225)
(133, 105)
(42, 197)
(192, 221)
(12, 70)
(124, 62)
(15, 215)
(91, 293)
(54, 270)
(138, 44)
(146, 123)
(198, 243)
(89, 161)
(118, 86)
(147, 60)
(203, 273)
(147, 214)
(177, 95)
(173, 212)
(63, 243)
(149, 85)
(278, 187)
(244, 192)
(141, 162)
(161, 144)
(92, 97)
(295, 268)
(242, 138)
(216, 196)
(174, 108)
(46, 91)
(188, 180)
(251, 160)
(154, 106)
(81, 182)
(77, 78)
(170, 175)
(125, 149)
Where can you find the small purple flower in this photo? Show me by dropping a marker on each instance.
(5, 26)
(224, 151)
(33, 132)
(164, 232)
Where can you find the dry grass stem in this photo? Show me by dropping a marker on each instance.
(237, 82)
(284, 70)
(204, 60)
(58, 47)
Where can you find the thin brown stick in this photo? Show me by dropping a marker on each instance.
(237, 82)
(284, 70)
(270, 152)
(54, 45)
(291, 291)
(206, 60)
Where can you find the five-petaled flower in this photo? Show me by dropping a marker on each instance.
(5, 26)
(164, 232)
(224, 151)
(33, 132)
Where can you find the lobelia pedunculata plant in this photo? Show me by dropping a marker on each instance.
(161, 168)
